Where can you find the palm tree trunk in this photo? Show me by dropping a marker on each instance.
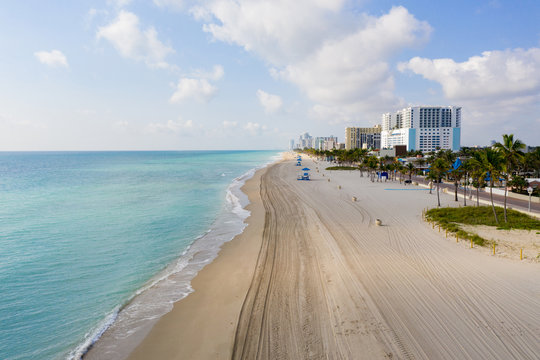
(465, 191)
(493, 205)
(505, 190)
(455, 190)
(438, 196)
(478, 196)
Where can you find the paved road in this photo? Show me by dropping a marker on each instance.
(498, 199)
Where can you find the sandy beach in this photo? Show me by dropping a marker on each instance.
(314, 277)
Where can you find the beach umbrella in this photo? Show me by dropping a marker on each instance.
(305, 169)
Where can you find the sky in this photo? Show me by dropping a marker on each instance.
(253, 74)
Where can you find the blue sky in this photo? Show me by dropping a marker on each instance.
(252, 74)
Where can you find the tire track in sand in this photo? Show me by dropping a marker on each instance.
(331, 285)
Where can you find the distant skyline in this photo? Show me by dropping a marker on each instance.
(253, 74)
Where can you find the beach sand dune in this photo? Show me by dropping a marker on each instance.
(321, 280)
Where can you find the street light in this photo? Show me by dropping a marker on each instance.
(530, 191)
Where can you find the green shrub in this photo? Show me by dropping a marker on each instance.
(483, 215)
(450, 218)
(478, 240)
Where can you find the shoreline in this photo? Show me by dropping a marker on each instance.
(179, 331)
(314, 275)
(126, 329)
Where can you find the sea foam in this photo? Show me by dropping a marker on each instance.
(125, 327)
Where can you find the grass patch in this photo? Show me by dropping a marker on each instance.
(483, 215)
(450, 218)
(478, 240)
(342, 168)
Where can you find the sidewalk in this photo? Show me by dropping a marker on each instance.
(511, 203)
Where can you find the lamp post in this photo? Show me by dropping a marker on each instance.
(530, 191)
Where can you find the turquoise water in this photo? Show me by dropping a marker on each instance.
(82, 233)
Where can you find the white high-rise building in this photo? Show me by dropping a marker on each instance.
(305, 141)
(319, 141)
(387, 123)
(425, 128)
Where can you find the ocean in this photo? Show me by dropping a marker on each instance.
(91, 241)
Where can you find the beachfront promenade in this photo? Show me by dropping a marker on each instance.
(327, 282)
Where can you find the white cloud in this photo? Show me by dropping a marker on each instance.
(230, 124)
(125, 34)
(170, 127)
(119, 3)
(216, 74)
(271, 28)
(505, 74)
(338, 59)
(200, 13)
(197, 86)
(53, 58)
(92, 14)
(199, 89)
(499, 90)
(351, 76)
(174, 4)
(270, 103)
(255, 128)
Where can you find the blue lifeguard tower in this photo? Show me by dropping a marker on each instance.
(383, 174)
(304, 175)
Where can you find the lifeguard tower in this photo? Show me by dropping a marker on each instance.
(304, 174)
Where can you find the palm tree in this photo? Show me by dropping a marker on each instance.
(511, 151)
(492, 163)
(457, 175)
(439, 168)
(431, 177)
(400, 169)
(380, 168)
(390, 168)
(396, 164)
(449, 156)
(467, 169)
(477, 173)
(362, 156)
(420, 162)
(532, 162)
(371, 163)
(410, 167)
